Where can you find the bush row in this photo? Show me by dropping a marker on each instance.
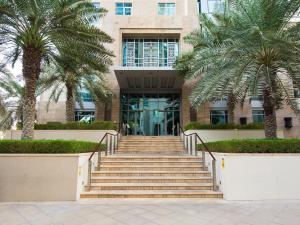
(46, 146)
(97, 125)
(202, 126)
(255, 146)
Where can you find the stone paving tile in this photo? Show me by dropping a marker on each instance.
(151, 212)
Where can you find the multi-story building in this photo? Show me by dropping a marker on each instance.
(148, 93)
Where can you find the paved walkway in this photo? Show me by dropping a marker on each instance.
(151, 212)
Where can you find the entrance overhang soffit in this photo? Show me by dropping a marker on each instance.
(148, 78)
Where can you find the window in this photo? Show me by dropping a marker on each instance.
(243, 120)
(256, 98)
(218, 116)
(96, 22)
(166, 9)
(86, 97)
(150, 52)
(96, 5)
(210, 6)
(85, 116)
(258, 116)
(123, 8)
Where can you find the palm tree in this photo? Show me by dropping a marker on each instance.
(3, 107)
(209, 34)
(74, 77)
(12, 93)
(259, 54)
(36, 31)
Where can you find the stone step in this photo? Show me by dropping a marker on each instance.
(151, 179)
(152, 194)
(151, 142)
(150, 173)
(148, 153)
(154, 186)
(153, 163)
(150, 137)
(151, 168)
(150, 149)
(151, 158)
(153, 150)
(147, 147)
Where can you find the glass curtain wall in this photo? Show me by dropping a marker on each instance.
(151, 114)
(150, 52)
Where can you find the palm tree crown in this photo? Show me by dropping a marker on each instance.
(36, 31)
(258, 56)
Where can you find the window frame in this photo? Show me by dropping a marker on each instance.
(140, 47)
(224, 114)
(123, 7)
(86, 96)
(258, 115)
(166, 8)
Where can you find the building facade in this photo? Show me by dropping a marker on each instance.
(148, 94)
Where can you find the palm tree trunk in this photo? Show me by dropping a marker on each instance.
(270, 114)
(231, 107)
(31, 71)
(70, 103)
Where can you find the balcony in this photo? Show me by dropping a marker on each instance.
(150, 52)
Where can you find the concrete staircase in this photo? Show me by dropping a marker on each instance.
(151, 167)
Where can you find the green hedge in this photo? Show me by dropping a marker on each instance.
(255, 146)
(45, 146)
(97, 125)
(202, 126)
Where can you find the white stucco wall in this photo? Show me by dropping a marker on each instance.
(219, 135)
(43, 177)
(258, 176)
(79, 135)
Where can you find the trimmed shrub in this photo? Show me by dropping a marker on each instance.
(97, 125)
(202, 126)
(255, 146)
(45, 146)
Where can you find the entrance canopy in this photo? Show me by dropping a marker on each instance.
(148, 78)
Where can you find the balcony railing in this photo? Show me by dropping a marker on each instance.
(150, 52)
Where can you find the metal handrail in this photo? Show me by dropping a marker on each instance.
(203, 153)
(99, 150)
(202, 142)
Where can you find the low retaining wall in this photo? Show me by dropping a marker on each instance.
(220, 135)
(43, 177)
(257, 176)
(79, 135)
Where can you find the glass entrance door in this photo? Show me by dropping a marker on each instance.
(135, 123)
(151, 114)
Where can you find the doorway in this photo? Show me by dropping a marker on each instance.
(151, 114)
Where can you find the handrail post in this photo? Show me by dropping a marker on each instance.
(107, 144)
(115, 143)
(203, 158)
(214, 175)
(99, 156)
(89, 181)
(191, 145)
(195, 143)
(111, 144)
(178, 130)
